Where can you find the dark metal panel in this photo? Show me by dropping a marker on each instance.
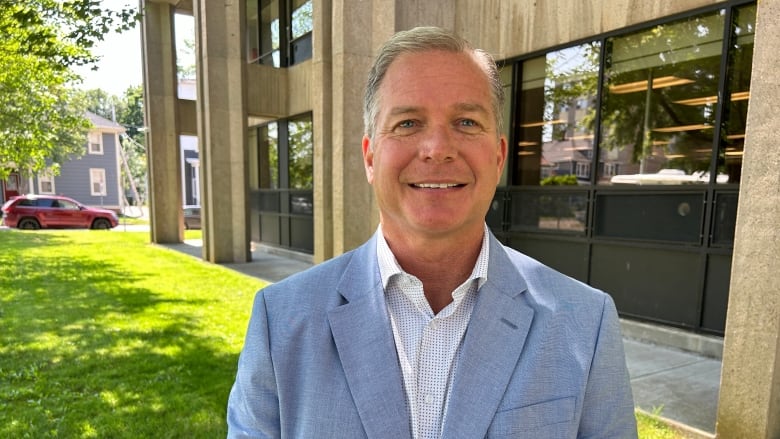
(670, 217)
(270, 231)
(716, 293)
(568, 257)
(725, 219)
(652, 283)
(302, 233)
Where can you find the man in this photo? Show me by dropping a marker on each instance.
(432, 328)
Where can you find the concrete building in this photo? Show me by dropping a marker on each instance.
(661, 111)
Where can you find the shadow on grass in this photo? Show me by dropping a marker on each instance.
(84, 353)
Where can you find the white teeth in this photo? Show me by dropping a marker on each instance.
(435, 185)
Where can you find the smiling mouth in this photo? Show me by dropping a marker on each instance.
(436, 185)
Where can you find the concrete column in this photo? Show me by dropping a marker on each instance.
(162, 141)
(749, 404)
(354, 217)
(222, 129)
(322, 119)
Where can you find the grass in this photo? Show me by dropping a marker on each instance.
(106, 335)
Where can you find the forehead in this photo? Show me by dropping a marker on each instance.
(437, 76)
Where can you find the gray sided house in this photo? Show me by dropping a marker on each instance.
(94, 178)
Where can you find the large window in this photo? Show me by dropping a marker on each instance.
(285, 175)
(301, 153)
(625, 160)
(557, 107)
(659, 103)
(279, 31)
(656, 115)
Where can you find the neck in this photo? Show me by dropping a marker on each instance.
(441, 264)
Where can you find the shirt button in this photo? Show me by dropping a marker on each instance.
(428, 399)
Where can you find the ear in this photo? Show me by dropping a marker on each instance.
(501, 157)
(368, 159)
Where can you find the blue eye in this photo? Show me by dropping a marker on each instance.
(468, 123)
(406, 124)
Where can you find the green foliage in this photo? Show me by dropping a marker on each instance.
(560, 180)
(105, 335)
(43, 119)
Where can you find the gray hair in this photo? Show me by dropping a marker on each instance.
(421, 39)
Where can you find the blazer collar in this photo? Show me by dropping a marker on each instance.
(491, 348)
(363, 337)
(364, 340)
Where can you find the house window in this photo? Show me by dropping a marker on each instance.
(45, 183)
(279, 32)
(97, 181)
(95, 143)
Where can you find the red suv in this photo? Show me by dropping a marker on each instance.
(35, 211)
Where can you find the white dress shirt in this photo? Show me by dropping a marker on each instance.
(428, 345)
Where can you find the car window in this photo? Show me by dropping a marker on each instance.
(65, 204)
(27, 202)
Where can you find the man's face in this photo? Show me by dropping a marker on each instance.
(436, 156)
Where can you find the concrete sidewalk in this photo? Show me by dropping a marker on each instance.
(678, 384)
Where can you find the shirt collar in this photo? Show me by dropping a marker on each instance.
(389, 267)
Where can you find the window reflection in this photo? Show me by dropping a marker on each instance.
(557, 109)
(659, 103)
(301, 144)
(740, 62)
(302, 18)
(269, 33)
(268, 156)
(252, 32)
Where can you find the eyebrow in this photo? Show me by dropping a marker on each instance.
(461, 106)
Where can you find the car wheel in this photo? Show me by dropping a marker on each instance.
(29, 224)
(101, 224)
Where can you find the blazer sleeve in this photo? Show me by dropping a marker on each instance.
(608, 406)
(253, 405)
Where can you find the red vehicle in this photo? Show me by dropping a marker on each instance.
(33, 212)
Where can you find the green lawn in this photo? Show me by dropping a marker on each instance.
(105, 335)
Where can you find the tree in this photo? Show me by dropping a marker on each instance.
(43, 120)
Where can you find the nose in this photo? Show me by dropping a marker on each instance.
(438, 145)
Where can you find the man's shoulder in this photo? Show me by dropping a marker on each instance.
(542, 279)
(314, 283)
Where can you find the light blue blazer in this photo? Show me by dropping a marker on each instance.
(542, 358)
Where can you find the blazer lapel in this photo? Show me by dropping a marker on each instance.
(491, 348)
(364, 340)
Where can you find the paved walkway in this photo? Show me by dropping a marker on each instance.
(679, 386)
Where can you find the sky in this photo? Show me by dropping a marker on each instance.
(120, 64)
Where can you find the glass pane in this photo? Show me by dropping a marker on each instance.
(740, 62)
(659, 101)
(557, 108)
(269, 31)
(268, 156)
(506, 74)
(549, 211)
(302, 18)
(252, 32)
(301, 144)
